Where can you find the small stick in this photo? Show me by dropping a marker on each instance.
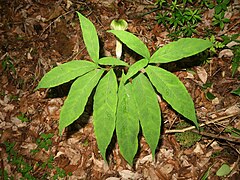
(231, 139)
(201, 125)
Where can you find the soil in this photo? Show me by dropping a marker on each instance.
(37, 35)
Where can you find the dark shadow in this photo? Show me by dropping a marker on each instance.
(59, 91)
(111, 146)
(83, 120)
(129, 55)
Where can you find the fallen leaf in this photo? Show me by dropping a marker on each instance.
(198, 149)
(226, 53)
(127, 174)
(231, 44)
(235, 109)
(202, 74)
(167, 168)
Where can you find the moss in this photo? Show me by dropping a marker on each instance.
(188, 138)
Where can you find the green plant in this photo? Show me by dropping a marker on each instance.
(235, 49)
(131, 103)
(221, 6)
(216, 44)
(220, 9)
(26, 169)
(223, 170)
(177, 18)
(21, 165)
(60, 173)
(233, 131)
(220, 20)
(119, 25)
(7, 65)
(22, 117)
(236, 91)
(206, 174)
(236, 59)
(4, 175)
(44, 142)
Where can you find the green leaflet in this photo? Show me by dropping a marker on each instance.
(65, 72)
(177, 50)
(90, 37)
(77, 98)
(104, 110)
(236, 91)
(148, 110)
(127, 124)
(133, 69)
(173, 91)
(223, 170)
(132, 42)
(112, 61)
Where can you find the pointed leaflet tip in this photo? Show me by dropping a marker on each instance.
(90, 37)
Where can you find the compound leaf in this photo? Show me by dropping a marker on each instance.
(104, 110)
(112, 61)
(132, 42)
(90, 37)
(133, 69)
(127, 123)
(148, 110)
(77, 98)
(177, 50)
(65, 72)
(173, 91)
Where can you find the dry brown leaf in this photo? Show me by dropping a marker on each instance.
(202, 74)
(235, 109)
(167, 168)
(198, 149)
(226, 53)
(127, 174)
(231, 44)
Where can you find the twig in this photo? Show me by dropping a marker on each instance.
(234, 148)
(234, 25)
(201, 125)
(231, 139)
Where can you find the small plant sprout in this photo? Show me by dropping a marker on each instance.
(120, 24)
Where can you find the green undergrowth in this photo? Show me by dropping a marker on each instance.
(181, 18)
(27, 168)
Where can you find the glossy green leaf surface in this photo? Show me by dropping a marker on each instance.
(65, 72)
(177, 50)
(133, 69)
(173, 91)
(104, 110)
(148, 110)
(112, 61)
(132, 42)
(90, 37)
(77, 98)
(127, 123)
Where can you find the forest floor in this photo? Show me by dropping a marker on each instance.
(37, 35)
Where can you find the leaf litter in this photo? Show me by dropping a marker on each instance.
(45, 33)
